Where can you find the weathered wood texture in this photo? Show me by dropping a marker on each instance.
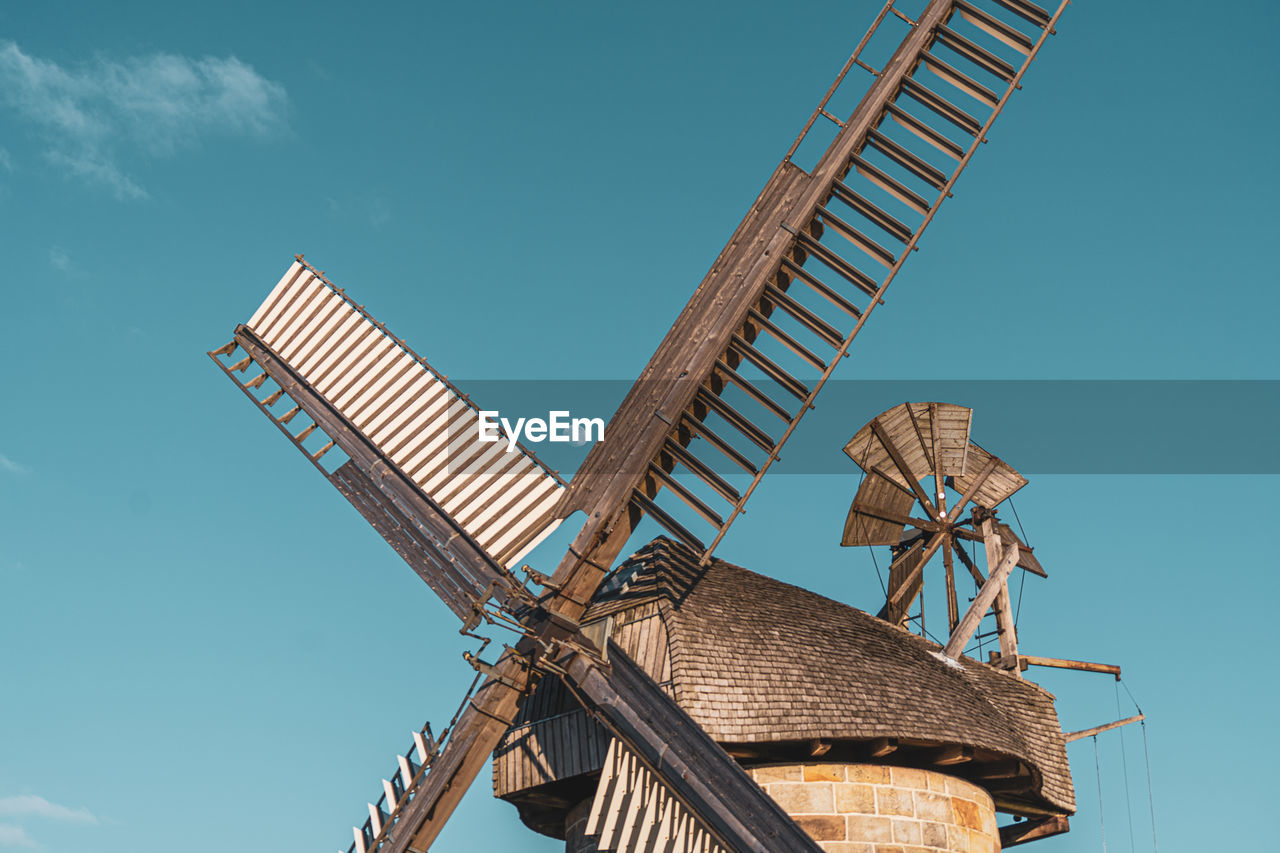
(1106, 727)
(633, 812)
(554, 738)
(880, 510)
(460, 572)
(986, 597)
(908, 428)
(730, 312)
(1033, 830)
(410, 414)
(685, 760)
(1059, 663)
(759, 663)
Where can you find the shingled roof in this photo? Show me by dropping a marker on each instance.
(759, 662)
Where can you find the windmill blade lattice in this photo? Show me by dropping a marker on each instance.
(415, 469)
(727, 387)
(799, 277)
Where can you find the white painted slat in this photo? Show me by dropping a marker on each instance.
(301, 301)
(363, 349)
(356, 376)
(339, 359)
(422, 391)
(319, 348)
(420, 744)
(484, 488)
(404, 371)
(479, 478)
(435, 453)
(334, 313)
(289, 275)
(380, 370)
(550, 494)
(293, 302)
(608, 777)
(414, 418)
(427, 446)
(520, 553)
(633, 810)
(406, 771)
(325, 310)
(403, 434)
(308, 359)
(451, 463)
(520, 493)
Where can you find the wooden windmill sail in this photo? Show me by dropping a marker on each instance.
(929, 442)
(800, 276)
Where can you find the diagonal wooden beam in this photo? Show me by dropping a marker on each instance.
(915, 424)
(895, 598)
(986, 596)
(986, 472)
(939, 485)
(673, 747)
(996, 551)
(901, 464)
(953, 608)
(883, 514)
(978, 577)
(1105, 727)
(903, 585)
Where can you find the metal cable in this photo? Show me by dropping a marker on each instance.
(1150, 797)
(1022, 581)
(1017, 610)
(1097, 766)
(1019, 520)
(1124, 762)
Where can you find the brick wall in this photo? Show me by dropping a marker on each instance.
(861, 808)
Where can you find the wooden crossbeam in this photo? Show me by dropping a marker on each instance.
(1032, 830)
(1105, 727)
(1025, 661)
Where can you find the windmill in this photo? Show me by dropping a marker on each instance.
(726, 389)
(918, 442)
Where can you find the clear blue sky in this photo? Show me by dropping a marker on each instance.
(203, 647)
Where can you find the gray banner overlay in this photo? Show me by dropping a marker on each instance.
(1039, 427)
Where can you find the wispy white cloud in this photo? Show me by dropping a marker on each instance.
(15, 836)
(7, 464)
(157, 104)
(29, 805)
(60, 259)
(95, 168)
(6, 162)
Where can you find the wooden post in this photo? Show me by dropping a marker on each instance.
(953, 607)
(1004, 612)
(986, 596)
